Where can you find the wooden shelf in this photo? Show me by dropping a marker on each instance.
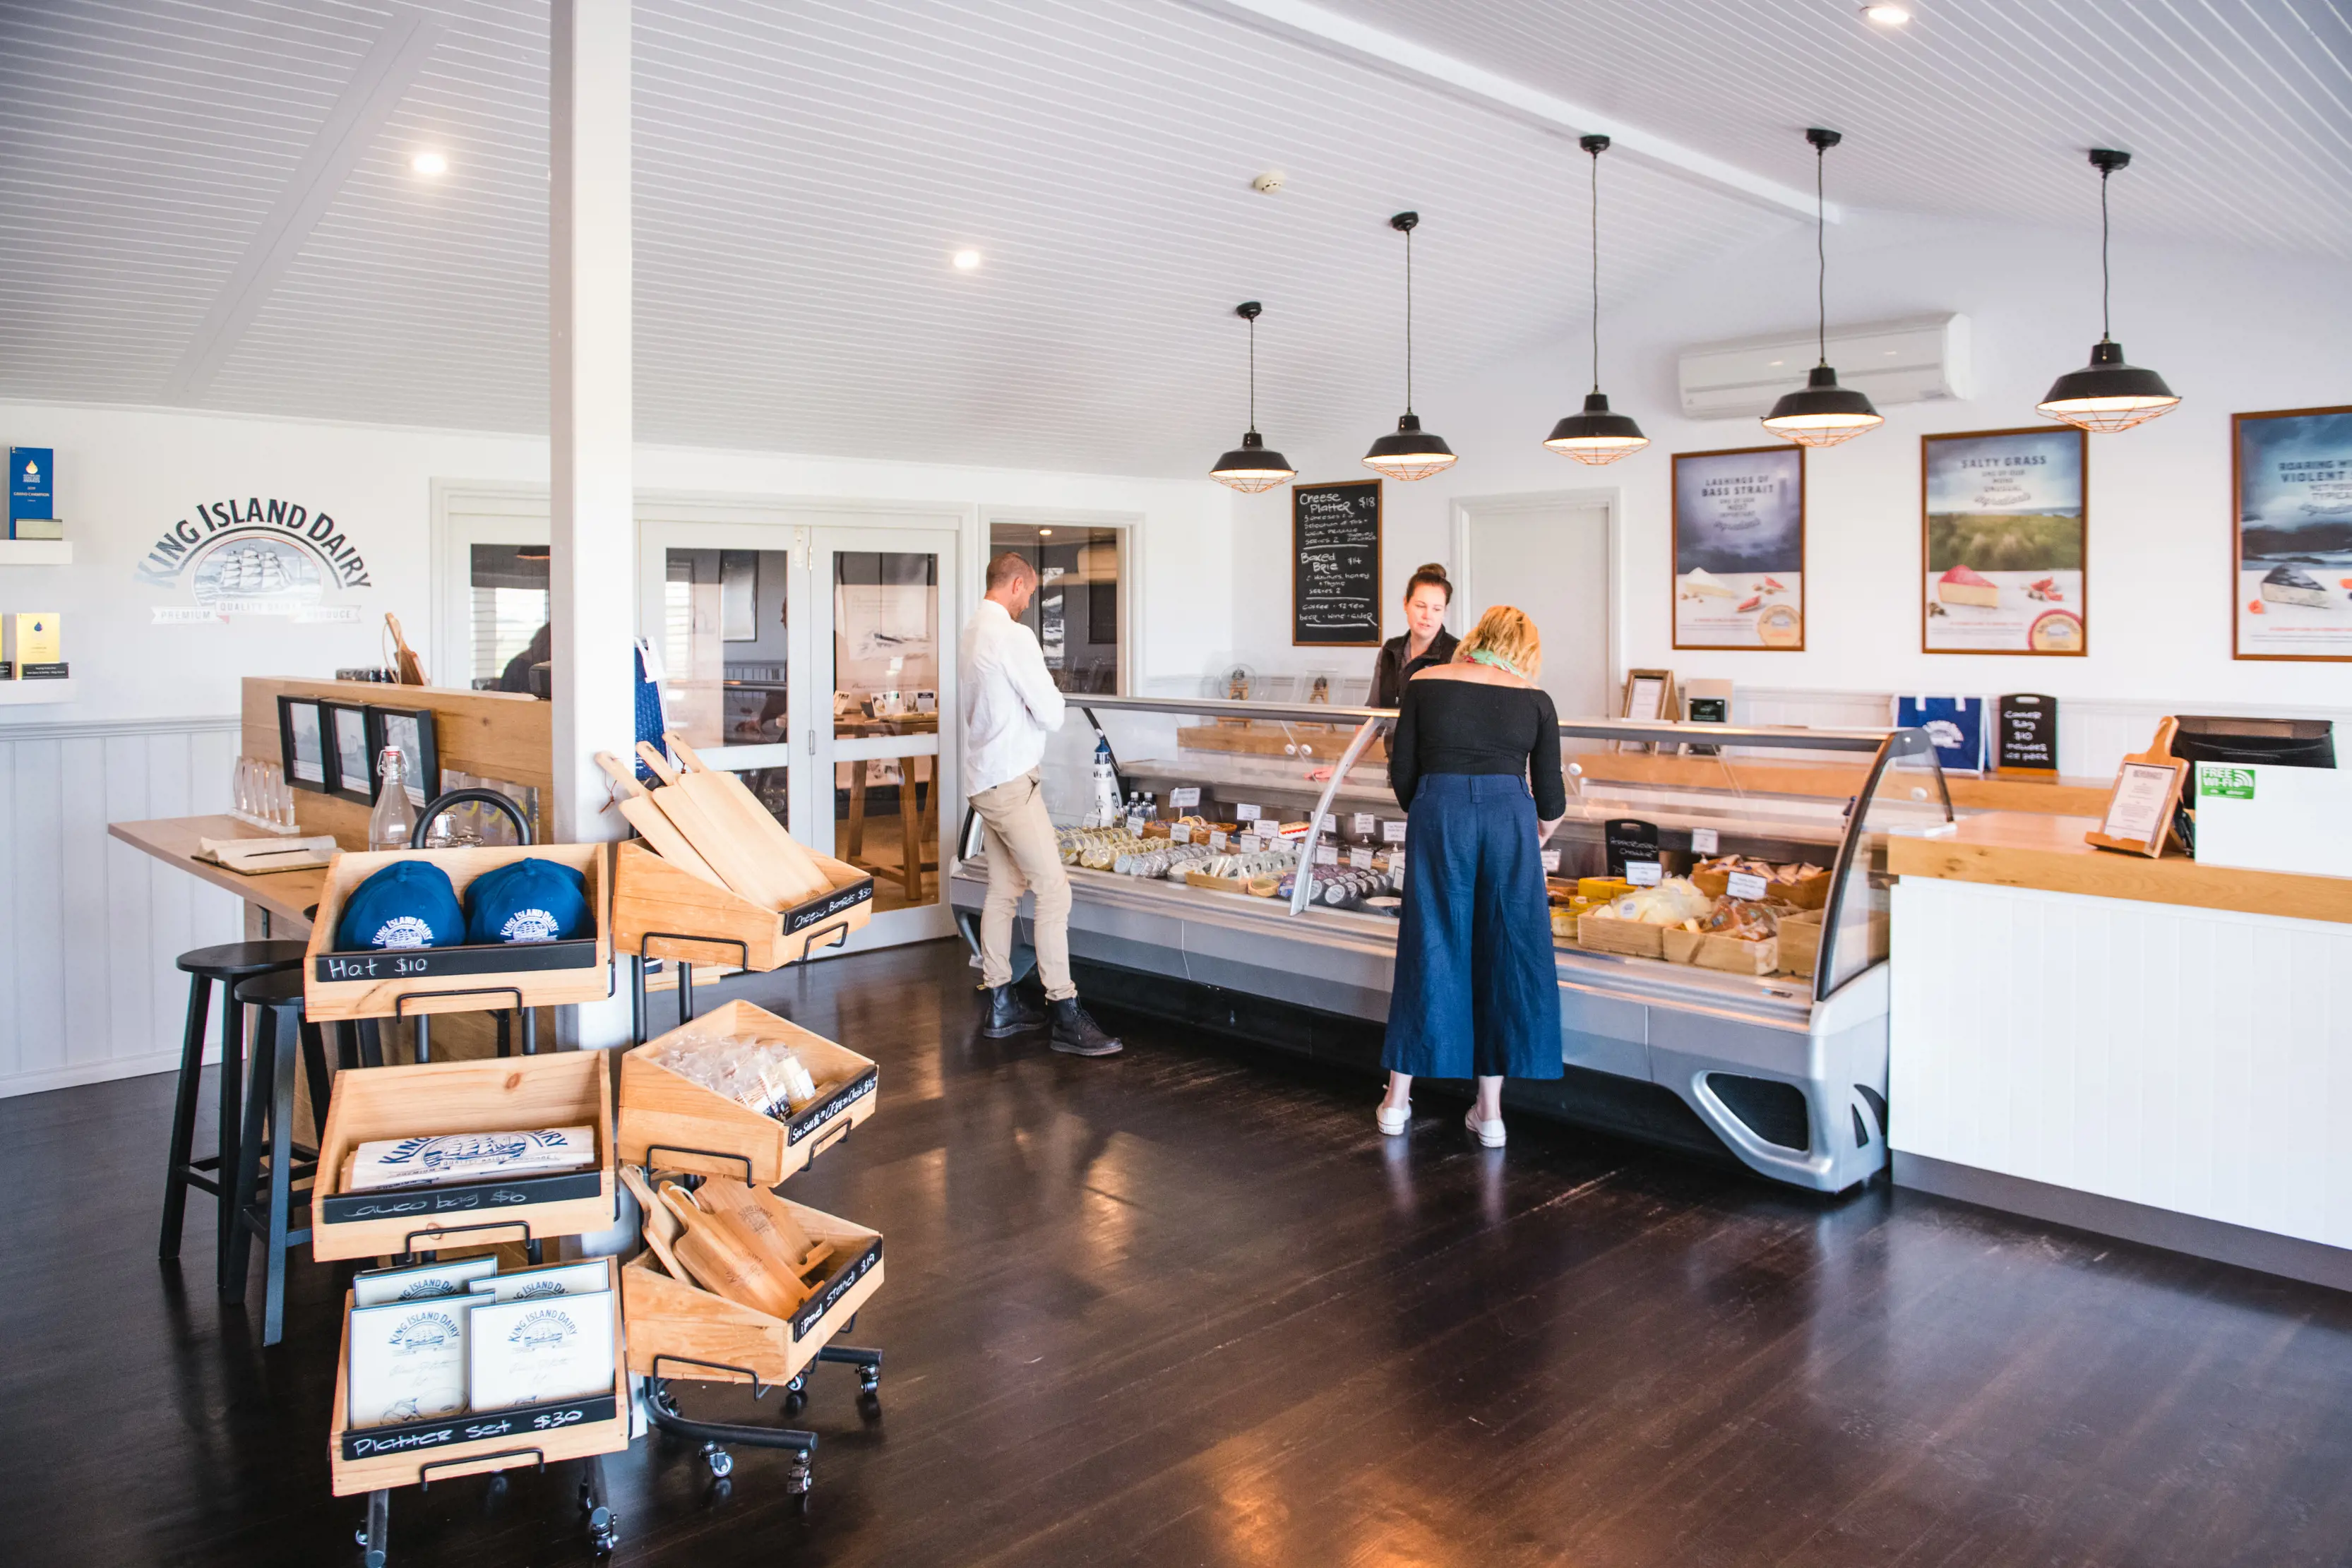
(36, 553)
(33, 692)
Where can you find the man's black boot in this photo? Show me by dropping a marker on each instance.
(1008, 1014)
(1076, 1033)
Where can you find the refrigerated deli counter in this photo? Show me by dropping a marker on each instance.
(1776, 1049)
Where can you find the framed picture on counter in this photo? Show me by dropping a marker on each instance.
(2291, 534)
(1739, 549)
(345, 726)
(2004, 517)
(302, 744)
(408, 731)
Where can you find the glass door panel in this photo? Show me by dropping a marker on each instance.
(716, 607)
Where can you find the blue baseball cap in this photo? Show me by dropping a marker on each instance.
(530, 900)
(408, 903)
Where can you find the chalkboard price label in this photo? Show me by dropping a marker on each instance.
(1335, 548)
(2029, 734)
(1629, 838)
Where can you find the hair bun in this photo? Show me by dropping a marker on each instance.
(1435, 568)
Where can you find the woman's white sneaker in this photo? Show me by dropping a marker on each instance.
(1394, 1123)
(1490, 1133)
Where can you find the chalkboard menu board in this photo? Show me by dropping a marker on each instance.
(2029, 734)
(1335, 565)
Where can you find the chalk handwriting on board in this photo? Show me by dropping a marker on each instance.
(1335, 564)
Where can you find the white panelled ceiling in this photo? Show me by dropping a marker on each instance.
(805, 170)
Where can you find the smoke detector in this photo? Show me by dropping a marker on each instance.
(1268, 183)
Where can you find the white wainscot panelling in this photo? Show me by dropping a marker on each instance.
(90, 929)
(2192, 1059)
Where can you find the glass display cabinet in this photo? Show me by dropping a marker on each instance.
(1719, 894)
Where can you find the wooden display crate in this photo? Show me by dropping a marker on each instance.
(1800, 941)
(558, 1088)
(1711, 950)
(664, 1115)
(1631, 938)
(672, 1317)
(473, 977)
(365, 1458)
(650, 896)
(1240, 884)
(1810, 893)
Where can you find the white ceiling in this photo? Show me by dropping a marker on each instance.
(804, 169)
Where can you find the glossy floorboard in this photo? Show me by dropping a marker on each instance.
(1186, 1307)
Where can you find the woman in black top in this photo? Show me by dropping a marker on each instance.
(1426, 642)
(1474, 761)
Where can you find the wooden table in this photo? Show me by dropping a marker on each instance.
(284, 897)
(912, 860)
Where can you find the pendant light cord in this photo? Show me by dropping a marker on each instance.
(1408, 320)
(1252, 357)
(1822, 252)
(2107, 324)
(1596, 269)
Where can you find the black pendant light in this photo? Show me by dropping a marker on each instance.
(1411, 453)
(1596, 435)
(1824, 413)
(1250, 467)
(2107, 394)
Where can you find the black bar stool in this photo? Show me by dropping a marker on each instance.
(269, 1112)
(228, 964)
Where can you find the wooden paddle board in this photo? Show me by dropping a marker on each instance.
(661, 836)
(729, 799)
(742, 865)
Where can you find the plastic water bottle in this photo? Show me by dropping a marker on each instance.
(1106, 785)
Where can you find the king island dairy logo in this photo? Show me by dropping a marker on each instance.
(529, 925)
(255, 558)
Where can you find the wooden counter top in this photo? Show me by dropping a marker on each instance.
(287, 895)
(2017, 848)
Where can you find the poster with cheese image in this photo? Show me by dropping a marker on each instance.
(1739, 549)
(2294, 587)
(2003, 542)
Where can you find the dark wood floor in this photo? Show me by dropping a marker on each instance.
(1186, 1306)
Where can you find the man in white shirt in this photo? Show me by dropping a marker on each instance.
(1010, 704)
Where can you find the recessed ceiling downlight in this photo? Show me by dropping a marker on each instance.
(965, 260)
(429, 163)
(1886, 16)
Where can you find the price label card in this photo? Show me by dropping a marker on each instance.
(1360, 860)
(1551, 861)
(1704, 841)
(1179, 835)
(1244, 812)
(1186, 799)
(1392, 831)
(1327, 855)
(1644, 873)
(1366, 824)
(1217, 837)
(1327, 824)
(1746, 884)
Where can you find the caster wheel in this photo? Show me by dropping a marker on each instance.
(799, 1384)
(797, 1480)
(721, 1462)
(602, 1542)
(870, 1377)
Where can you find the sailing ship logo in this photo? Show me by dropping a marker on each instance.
(257, 576)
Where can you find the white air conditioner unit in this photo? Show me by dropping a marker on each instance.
(1915, 360)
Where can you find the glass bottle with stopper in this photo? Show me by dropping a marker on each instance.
(390, 825)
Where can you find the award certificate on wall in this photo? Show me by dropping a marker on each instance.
(1739, 549)
(2004, 515)
(2293, 559)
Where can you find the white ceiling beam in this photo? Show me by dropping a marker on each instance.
(366, 105)
(1332, 34)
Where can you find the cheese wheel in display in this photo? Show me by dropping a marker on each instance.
(1780, 626)
(2056, 632)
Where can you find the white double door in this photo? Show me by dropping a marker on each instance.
(814, 658)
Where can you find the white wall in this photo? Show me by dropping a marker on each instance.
(91, 927)
(2231, 329)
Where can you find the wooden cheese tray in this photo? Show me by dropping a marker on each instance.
(475, 1443)
(673, 1321)
(673, 1122)
(657, 901)
(1629, 938)
(556, 1089)
(467, 978)
(1711, 950)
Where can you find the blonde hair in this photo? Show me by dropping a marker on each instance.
(1507, 632)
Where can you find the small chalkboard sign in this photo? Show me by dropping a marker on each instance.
(1629, 838)
(1335, 564)
(2028, 735)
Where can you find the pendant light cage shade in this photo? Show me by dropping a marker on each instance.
(1251, 468)
(1411, 453)
(1822, 414)
(2107, 394)
(1596, 435)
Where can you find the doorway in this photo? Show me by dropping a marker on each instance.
(1550, 555)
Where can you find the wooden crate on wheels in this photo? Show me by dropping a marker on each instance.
(674, 1124)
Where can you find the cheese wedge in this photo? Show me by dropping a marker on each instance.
(2285, 585)
(1961, 586)
(1697, 582)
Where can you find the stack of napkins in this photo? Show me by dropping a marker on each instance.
(444, 1339)
(391, 1163)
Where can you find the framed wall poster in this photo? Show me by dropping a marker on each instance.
(1739, 549)
(345, 727)
(2291, 550)
(2004, 519)
(301, 744)
(410, 732)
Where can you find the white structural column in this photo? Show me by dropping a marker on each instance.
(591, 394)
